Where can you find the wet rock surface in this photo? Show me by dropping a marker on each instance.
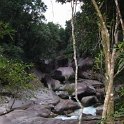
(66, 106)
(57, 97)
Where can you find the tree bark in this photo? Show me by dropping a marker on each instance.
(73, 6)
(108, 108)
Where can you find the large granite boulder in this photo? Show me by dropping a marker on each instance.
(89, 101)
(21, 117)
(89, 74)
(45, 97)
(63, 73)
(85, 63)
(84, 90)
(19, 104)
(41, 110)
(65, 106)
(39, 120)
(31, 116)
(12, 104)
(51, 83)
(96, 84)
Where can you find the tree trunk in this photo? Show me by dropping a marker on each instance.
(73, 6)
(108, 108)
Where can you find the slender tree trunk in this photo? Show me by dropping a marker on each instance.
(73, 6)
(120, 16)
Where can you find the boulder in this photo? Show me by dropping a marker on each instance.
(99, 110)
(63, 94)
(100, 93)
(45, 66)
(21, 117)
(51, 83)
(85, 63)
(58, 76)
(3, 109)
(65, 106)
(67, 72)
(96, 84)
(39, 120)
(19, 104)
(60, 121)
(84, 90)
(89, 74)
(41, 110)
(28, 117)
(45, 97)
(89, 101)
(63, 73)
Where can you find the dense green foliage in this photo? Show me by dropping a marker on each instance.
(86, 31)
(32, 39)
(25, 38)
(46, 41)
(13, 77)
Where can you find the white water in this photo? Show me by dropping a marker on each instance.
(66, 118)
(89, 110)
(86, 110)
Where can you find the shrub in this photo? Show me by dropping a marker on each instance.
(13, 76)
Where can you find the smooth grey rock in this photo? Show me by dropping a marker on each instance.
(16, 117)
(41, 110)
(66, 106)
(89, 100)
(3, 109)
(19, 104)
(84, 90)
(46, 97)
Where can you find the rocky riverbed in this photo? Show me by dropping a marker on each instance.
(55, 102)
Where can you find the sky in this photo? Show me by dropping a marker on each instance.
(57, 12)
